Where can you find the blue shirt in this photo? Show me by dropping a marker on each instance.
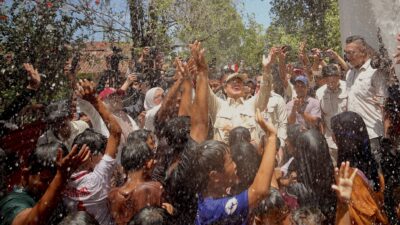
(230, 210)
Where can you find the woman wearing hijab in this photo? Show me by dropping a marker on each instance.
(152, 104)
(366, 203)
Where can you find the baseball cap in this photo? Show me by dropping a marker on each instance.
(302, 78)
(109, 91)
(234, 75)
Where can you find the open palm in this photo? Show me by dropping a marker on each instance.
(344, 182)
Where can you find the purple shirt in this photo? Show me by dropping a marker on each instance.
(312, 108)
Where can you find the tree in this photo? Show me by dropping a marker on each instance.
(317, 22)
(40, 33)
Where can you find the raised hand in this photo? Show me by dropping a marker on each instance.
(87, 90)
(67, 165)
(198, 56)
(332, 54)
(270, 59)
(344, 182)
(182, 70)
(34, 77)
(267, 127)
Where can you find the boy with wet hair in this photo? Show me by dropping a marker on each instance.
(217, 173)
(138, 162)
(88, 188)
(42, 183)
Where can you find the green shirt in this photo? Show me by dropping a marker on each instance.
(13, 203)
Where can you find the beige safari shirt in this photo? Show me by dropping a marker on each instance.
(276, 114)
(367, 88)
(228, 114)
(332, 103)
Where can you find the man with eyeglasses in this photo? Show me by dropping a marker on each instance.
(367, 89)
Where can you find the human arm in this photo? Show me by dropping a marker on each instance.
(263, 95)
(333, 55)
(344, 188)
(128, 82)
(259, 189)
(282, 120)
(282, 68)
(44, 207)
(87, 91)
(199, 109)
(23, 99)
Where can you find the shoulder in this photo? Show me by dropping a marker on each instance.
(13, 204)
(321, 91)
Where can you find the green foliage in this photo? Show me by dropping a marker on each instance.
(40, 33)
(294, 21)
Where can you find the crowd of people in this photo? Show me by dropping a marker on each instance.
(307, 142)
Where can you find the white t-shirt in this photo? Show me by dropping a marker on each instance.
(89, 190)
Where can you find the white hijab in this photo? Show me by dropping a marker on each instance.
(149, 99)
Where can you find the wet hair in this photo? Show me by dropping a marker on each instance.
(330, 70)
(152, 216)
(239, 135)
(138, 136)
(354, 146)
(247, 162)
(308, 216)
(177, 132)
(293, 131)
(95, 141)
(315, 171)
(134, 156)
(79, 218)
(396, 196)
(210, 157)
(273, 203)
(45, 157)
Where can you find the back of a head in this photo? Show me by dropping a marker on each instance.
(353, 144)
(315, 170)
(293, 131)
(57, 110)
(138, 136)
(210, 157)
(238, 135)
(274, 203)
(152, 216)
(79, 218)
(177, 131)
(44, 157)
(95, 141)
(247, 161)
(134, 156)
(308, 216)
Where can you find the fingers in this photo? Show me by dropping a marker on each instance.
(353, 175)
(341, 170)
(346, 169)
(59, 155)
(336, 174)
(73, 151)
(335, 187)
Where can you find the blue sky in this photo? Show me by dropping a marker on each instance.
(260, 9)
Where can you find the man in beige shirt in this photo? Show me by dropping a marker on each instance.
(367, 89)
(235, 110)
(333, 99)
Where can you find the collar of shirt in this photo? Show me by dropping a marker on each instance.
(238, 101)
(365, 66)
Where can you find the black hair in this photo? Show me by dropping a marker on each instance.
(308, 215)
(177, 132)
(79, 218)
(293, 131)
(354, 146)
(138, 136)
(247, 162)
(315, 171)
(211, 157)
(396, 196)
(134, 156)
(239, 135)
(330, 70)
(366, 48)
(151, 216)
(45, 157)
(273, 203)
(95, 141)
